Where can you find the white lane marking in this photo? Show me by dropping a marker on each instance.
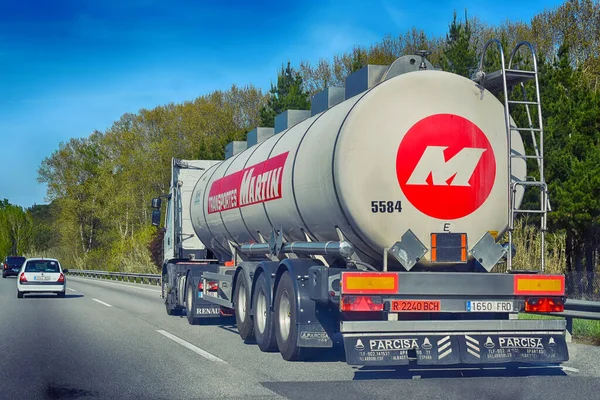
(101, 302)
(570, 369)
(190, 346)
(122, 284)
(72, 290)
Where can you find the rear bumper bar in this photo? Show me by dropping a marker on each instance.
(383, 343)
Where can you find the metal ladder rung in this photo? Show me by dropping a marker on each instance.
(520, 73)
(530, 103)
(529, 211)
(514, 128)
(529, 183)
(527, 157)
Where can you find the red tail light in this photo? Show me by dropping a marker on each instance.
(5, 266)
(544, 304)
(22, 277)
(211, 285)
(61, 278)
(361, 303)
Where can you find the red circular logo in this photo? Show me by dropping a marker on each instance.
(446, 166)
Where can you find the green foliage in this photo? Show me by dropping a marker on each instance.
(16, 227)
(288, 94)
(101, 186)
(459, 54)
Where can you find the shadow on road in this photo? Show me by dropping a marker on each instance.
(458, 371)
(50, 296)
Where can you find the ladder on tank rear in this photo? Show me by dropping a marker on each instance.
(504, 81)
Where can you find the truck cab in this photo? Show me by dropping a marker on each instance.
(185, 257)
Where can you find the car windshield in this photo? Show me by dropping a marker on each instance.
(16, 261)
(41, 266)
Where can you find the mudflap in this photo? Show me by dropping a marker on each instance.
(534, 348)
(400, 349)
(205, 309)
(455, 348)
(313, 335)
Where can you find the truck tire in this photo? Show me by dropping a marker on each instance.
(189, 302)
(243, 320)
(286, 330)
(264, 330)
(171, 308)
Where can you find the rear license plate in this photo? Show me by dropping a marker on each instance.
(41, 278)
(415, 306)
(490, 306)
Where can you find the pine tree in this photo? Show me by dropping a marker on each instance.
(459, 55)
(287, 95)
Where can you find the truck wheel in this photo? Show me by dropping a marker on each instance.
(243, 320)
(286, 329)
(264, 331)
(189, 303)
(169, 306)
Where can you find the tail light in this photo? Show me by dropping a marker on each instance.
(61, 278)
(361, 303)
(5, 266)
(544, 304)
(22, 277)
(212, 286)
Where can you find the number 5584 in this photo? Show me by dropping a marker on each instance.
(383, 206)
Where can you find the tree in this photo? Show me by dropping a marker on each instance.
(459, 55)
(288, 94)
(15, 229)
(572, 158)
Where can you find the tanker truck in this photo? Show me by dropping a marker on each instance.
(377, 217)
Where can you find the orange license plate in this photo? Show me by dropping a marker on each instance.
(416, 306)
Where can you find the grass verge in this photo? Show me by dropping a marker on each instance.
(584, 330)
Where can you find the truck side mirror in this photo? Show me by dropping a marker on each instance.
(156, 203)
(156, 217)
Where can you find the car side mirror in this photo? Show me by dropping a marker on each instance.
(66, 271)
(156, 217)
(156, 203)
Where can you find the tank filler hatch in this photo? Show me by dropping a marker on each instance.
(409, 63)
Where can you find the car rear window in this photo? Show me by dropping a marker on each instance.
(42, 266)
(15, 260)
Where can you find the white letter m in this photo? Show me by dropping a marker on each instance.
(432, 162)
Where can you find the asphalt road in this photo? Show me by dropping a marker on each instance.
(109, 340)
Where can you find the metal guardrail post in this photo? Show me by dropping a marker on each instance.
(569, 332)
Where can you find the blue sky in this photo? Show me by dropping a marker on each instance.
(70, 67)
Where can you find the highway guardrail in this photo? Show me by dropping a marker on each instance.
(118, 276)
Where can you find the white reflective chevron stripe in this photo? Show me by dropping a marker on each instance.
(473, 353)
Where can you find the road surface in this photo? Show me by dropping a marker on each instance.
(109, 340)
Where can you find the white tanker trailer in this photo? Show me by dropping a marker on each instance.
(378, 218)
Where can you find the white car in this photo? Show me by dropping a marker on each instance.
(41, 275)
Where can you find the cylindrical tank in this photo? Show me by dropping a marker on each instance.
(425, 151)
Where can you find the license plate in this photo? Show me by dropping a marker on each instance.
(41, 278)
(490, 306)
(415, 306)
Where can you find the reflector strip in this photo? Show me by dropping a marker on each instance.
(369, 283)
(531, 284)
